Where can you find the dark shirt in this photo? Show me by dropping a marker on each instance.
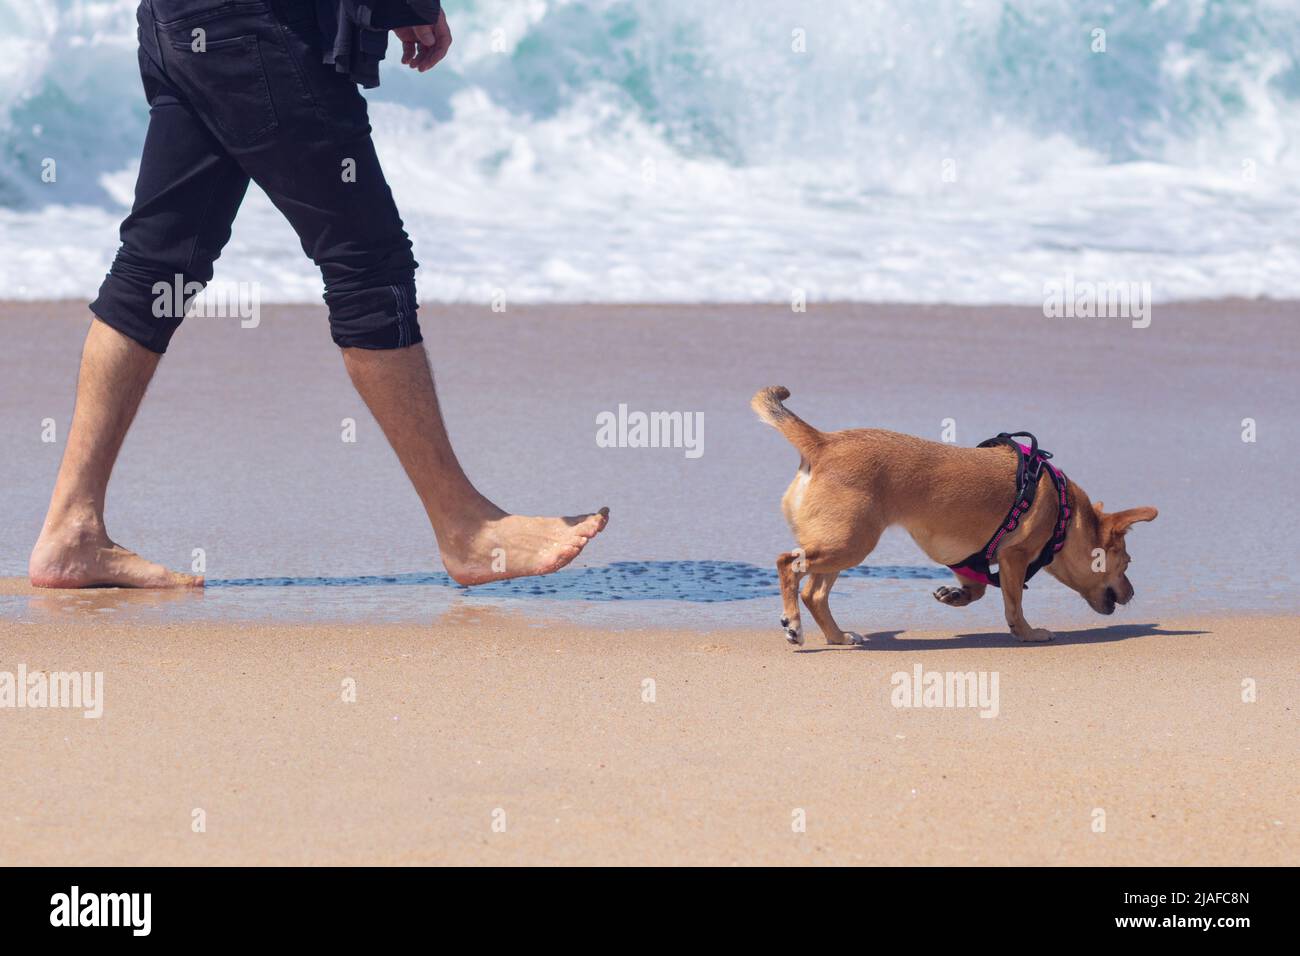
(355, 32)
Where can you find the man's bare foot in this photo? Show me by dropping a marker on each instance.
(86, 558)
(514, 546)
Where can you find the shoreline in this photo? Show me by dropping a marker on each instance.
(189, 607)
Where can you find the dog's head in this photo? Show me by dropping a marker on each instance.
(1095, 559)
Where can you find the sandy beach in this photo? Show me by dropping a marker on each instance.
(513, 723)
(480, 717)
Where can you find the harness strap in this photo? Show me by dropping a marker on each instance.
(1030, 462)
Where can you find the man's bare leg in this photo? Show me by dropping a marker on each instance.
(479, 541)
(74, 550)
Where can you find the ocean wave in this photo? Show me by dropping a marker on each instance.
(606, 150)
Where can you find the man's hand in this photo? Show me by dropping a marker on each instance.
(424, 45)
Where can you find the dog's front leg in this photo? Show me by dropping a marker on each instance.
(966, 592)
(1011, 573)
(790, 567)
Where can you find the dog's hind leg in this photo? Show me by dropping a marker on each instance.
(968, 592)
(853, 542)
(836, 528)
(817, 595)
(790, 567)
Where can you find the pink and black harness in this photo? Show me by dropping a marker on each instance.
(1030, 462)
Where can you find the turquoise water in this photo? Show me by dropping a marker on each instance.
(609, 150)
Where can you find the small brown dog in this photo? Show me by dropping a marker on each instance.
(852, 485)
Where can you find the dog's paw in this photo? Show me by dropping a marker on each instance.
(794, 635)
(953, 597)
(1037, 635)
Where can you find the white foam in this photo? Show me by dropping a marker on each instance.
(602, 151)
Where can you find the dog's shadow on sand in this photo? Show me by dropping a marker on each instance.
(891, 641)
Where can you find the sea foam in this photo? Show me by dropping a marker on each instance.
(608, 150)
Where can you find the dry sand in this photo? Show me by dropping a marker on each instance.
(480, 713)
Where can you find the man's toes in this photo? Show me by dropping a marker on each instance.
(156, 576)
(1037, 635)
(593, 524)
(853, 637)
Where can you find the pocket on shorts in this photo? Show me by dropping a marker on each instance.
(172, 13)
(227, 81)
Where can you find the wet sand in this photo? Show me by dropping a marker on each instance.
(481, 714)
(238, 451)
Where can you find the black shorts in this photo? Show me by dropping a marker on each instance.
(237, 90)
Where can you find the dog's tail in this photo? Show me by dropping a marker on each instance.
(767, 403)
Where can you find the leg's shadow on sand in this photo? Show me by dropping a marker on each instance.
(701, 582)
(890, 640)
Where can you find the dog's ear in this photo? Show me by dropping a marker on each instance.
(1121, 521)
